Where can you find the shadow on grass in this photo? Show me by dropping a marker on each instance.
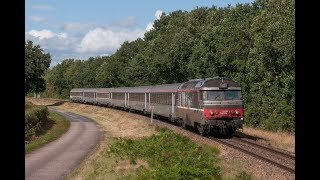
(242, 135)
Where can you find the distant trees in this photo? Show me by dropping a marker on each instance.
(252, 44)
(36, 63)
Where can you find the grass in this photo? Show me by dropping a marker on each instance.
(281, 140)
(166, 155)
(56, 126)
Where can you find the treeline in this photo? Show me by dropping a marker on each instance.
(253, 44)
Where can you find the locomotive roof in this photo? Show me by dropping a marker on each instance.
(215, 82)
(210, 84)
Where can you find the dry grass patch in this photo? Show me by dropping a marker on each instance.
(42, 101)
(115, 123)
(281, 140)
(125, 167)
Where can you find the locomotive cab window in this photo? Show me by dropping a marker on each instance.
(232, 95)
(221, 95)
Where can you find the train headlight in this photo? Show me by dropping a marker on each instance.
(211, 113)
(237, 112)
(216, 112)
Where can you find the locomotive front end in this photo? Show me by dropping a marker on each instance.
(222, 105)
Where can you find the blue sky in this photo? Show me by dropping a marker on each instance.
(81, 29)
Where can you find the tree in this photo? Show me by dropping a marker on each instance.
(36, 63)
(271, 63)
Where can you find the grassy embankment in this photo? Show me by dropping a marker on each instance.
(42, 126)
(165, 155)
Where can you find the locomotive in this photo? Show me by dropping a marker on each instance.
(211, 105)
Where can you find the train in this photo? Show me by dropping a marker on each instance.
(210, 105)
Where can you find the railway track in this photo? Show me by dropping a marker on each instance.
(287, 154)
(270, 155)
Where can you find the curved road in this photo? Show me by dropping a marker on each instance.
(58, 158)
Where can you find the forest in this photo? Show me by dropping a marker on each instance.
(253, 44)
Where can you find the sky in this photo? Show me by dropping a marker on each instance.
(80, 29)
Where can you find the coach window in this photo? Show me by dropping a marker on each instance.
(195, 100)
(190, 100)
(183, 99)
(169, 99)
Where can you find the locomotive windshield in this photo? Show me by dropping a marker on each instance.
(221, 95)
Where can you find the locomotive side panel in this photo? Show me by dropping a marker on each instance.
(188, 107)
(190, 115)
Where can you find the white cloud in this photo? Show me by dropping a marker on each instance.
(104, 55)
(69, 44)
(84, 40)
(43, 34)
(46, 34)
(149, 26)
(37, 18)
(43, 7)
(60, 45)
(158, 14)
(102, 40)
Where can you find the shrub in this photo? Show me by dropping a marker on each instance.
(35, 118)
(169, 156)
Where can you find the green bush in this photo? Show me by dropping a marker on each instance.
(169, 156)
(35, 118)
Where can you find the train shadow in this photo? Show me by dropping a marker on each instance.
(246, 136)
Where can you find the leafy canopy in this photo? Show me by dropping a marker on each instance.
(36, 63)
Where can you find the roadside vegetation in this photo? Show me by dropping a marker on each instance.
(165, 155)
(42, 126)
(168, 156)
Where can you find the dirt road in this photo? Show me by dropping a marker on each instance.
(57, 159)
